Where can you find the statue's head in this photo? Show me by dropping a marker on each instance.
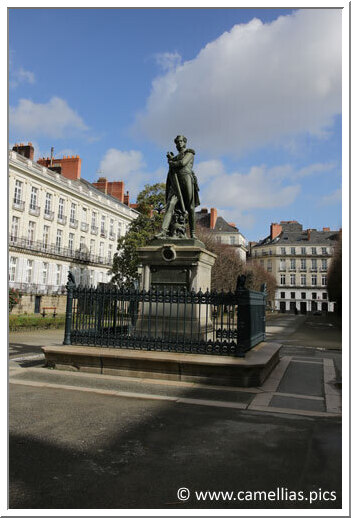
(180, 141)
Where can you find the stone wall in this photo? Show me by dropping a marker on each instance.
(27, 304)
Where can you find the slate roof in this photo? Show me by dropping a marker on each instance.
(203, 219)
(287, 237)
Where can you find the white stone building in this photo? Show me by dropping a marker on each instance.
(299, 260)
(58, 222)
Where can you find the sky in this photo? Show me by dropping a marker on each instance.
(257, 92)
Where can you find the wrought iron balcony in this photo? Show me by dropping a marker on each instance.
(39, 289)
(94, 230)
(112, 236)
(103, 233)
(282, 269)
(18, 205)
(61, 219)
(57, 251)
(313, 269)
(48, 214)
(73, 223)
(84, 226)
(34, 210)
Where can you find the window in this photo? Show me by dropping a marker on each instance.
(82, 244)
(103, 221)
(282, 280)
(292, 280)
(31, 229)
(92, 246)
(282, 294)
(314, 264)
(72, 216)
(111, 226)
(60, 208)
(292, 264)
(109, 253)
(303, 280)
(29, 270)
(13, 268)
(269, 265)
(282, 266)
(218, 238)
(44, 273)
(324, 280)
(293, 250)
(303, 295)
(48, 203)
(232, 240)
(324, 264)
(101, 250)
(84, 214)
(283, 251)
(93, 219)
(314, 280)
(314, 250)
(262, 263)
(18, 192)
(101, 276)
(58, 274)
(314, 295)
(120, 231)
(325, 295)
(303, 250)
(59, 240)
(33, 198)
(324, 250)
(292, 295)
(14, 228)
(45, 236)
(70, 241)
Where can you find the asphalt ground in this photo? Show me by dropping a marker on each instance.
(90, 441)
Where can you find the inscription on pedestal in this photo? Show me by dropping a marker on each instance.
(169, 276)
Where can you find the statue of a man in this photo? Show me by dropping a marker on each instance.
(182, 191)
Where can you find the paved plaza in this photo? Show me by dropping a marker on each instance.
(91, 441)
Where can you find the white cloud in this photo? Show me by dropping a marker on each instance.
(53, 119)
(331, 199)
(118, 164)
(316, 169)
(20, 75)
(208, 169)
(256, 84)
(168, 60)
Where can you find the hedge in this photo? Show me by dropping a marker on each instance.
(20, 322)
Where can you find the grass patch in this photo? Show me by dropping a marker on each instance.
(21, 322)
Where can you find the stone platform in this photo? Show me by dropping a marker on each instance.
(250, 371)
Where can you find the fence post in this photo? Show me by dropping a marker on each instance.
(242, 323)
(71, 284)
(264, 292)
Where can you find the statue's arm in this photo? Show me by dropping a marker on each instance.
(185, 160)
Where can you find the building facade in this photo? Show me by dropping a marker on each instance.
(59, 222)
(299, 260)
(223, 232)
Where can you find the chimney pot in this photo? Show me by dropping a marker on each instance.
(213, 218)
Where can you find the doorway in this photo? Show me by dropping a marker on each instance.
(37, 303)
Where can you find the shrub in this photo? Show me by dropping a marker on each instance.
(14, 298)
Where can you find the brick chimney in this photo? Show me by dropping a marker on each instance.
(326, 229)
(275, 230)
(308, 234)
(25, 150)
(116, 189)
(68, 166)
(126, 199)
(101, 184)
(213, 218)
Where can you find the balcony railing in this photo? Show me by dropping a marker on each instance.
(61, 219)
(40, 289)
(313, 269)
(73, 223)
(103, 233)
(34, 210)
(112, 236)
(48, 214)
(84, 226)
(60, 251)
(18, 205)
(94, 230)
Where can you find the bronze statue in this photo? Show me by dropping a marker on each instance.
(182, 192)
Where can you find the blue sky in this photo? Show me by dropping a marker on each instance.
(256, 91)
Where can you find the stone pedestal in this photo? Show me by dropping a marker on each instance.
(170, 265)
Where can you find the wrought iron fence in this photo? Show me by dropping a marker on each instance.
(173, 320)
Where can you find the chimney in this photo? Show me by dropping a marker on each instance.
(126, 199)
(326, 229)
(213, 218)
(116, 189)
(275, 229)
(68, 166)
(308, 234)
(101, 184)
(24, 150)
